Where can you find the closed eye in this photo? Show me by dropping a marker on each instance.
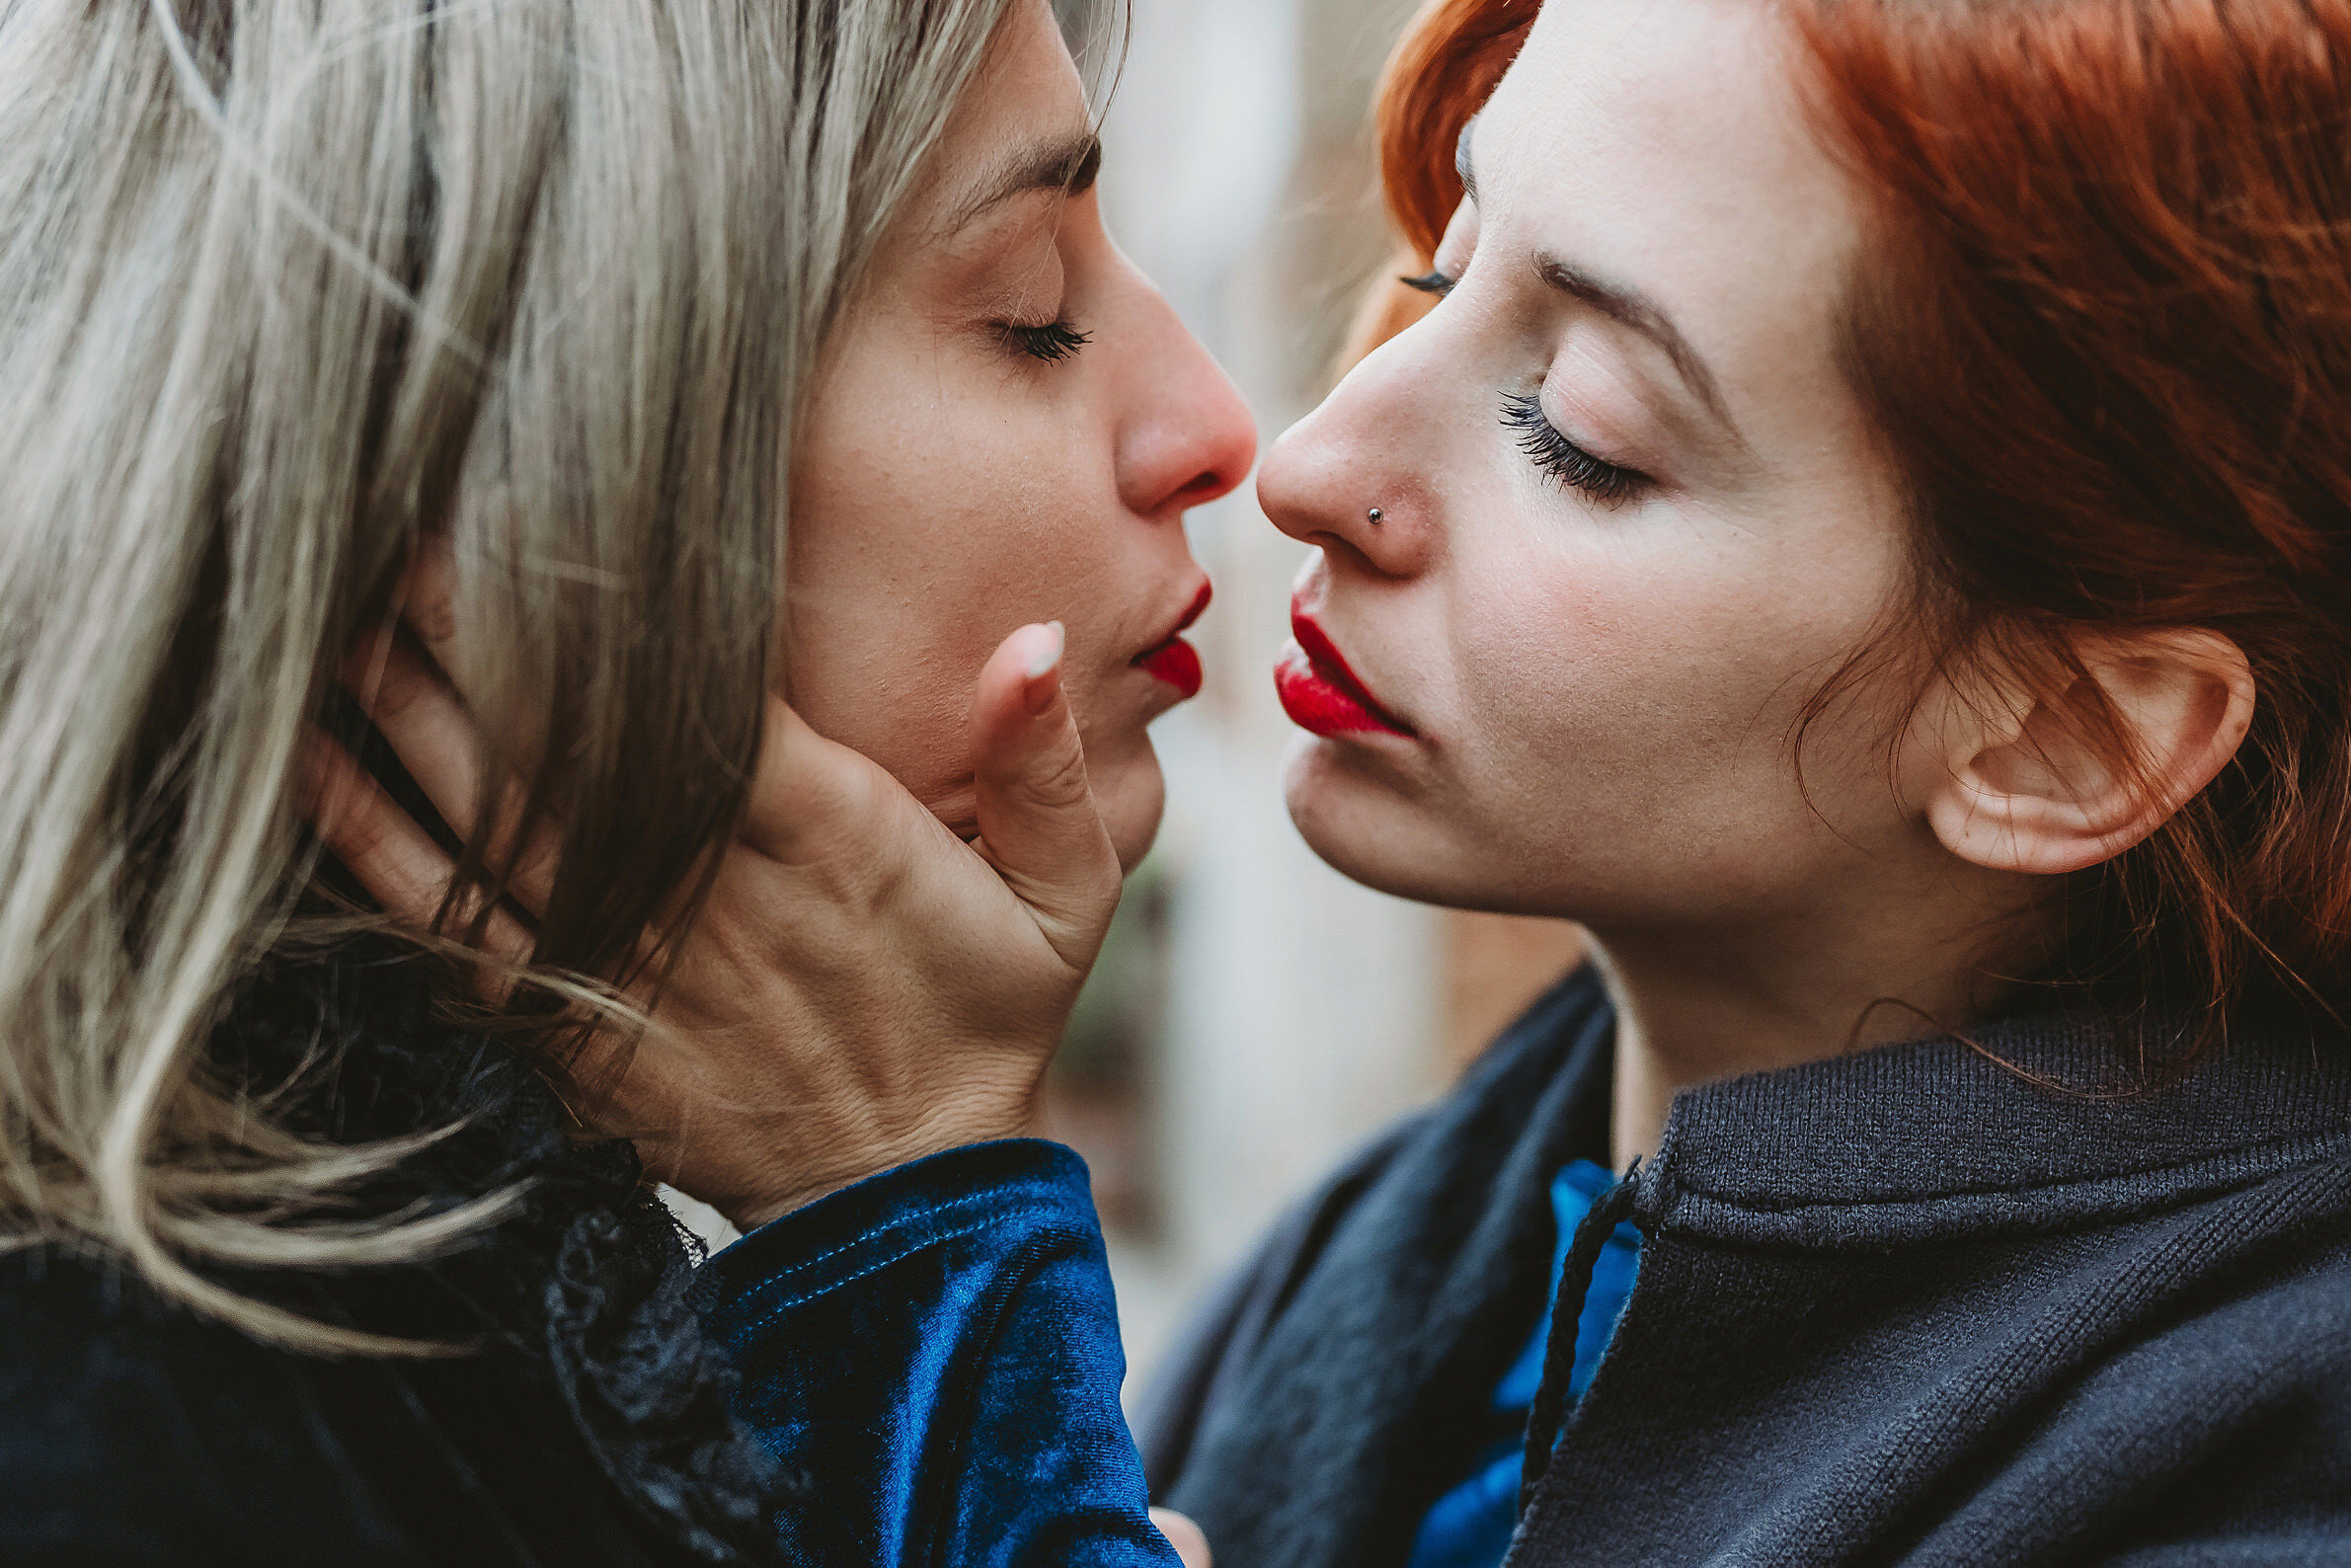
(1604, 481)
(1051, 341)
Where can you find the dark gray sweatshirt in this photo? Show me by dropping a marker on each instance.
(1913, 1304)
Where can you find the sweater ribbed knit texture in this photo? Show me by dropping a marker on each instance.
(1913, 1304)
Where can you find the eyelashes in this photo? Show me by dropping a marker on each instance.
(1604, 481)
(1049, 343)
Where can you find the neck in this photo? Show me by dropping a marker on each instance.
(1694, 1005)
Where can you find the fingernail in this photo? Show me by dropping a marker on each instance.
(1048, 651)
(1039, 694)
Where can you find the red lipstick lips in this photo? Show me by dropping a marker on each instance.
(1319, 692)
(1175, 660)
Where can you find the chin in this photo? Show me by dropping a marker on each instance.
(1359, 830)
(1132, 793)
(1368, 832)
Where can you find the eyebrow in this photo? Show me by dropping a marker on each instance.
(1620, 302)
(1629, 307)
(1067, 163)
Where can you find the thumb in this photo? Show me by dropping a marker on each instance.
(1039, 824)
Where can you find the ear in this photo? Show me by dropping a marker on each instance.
(2032, 785)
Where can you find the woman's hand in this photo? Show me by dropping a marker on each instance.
(861, 987)
(1184, 1536)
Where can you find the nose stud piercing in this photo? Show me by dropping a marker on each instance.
(1377, 516)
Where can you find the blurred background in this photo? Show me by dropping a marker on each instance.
(1256, 1016)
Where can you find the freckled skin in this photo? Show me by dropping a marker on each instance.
(948, 489)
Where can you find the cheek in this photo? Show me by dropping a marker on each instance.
(1629, 712)
(937, 506)
(1612, 657)
(913, 524)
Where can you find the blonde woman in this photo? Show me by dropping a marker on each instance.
(507, 344)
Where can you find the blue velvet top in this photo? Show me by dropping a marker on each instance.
(933, 1354)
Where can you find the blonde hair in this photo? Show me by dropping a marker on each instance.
(284, 283)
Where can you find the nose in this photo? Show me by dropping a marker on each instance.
(1188, 437)
(1344, 478)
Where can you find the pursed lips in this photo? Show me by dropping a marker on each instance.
(1174, 660)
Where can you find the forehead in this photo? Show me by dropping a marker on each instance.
(1025, 95)
(1665, 143)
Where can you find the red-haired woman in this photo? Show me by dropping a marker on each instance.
(1867, 530)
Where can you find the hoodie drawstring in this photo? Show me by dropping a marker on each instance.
(1548, 1413)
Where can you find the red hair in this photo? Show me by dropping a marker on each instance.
(1452, 55)
(2101, 322)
